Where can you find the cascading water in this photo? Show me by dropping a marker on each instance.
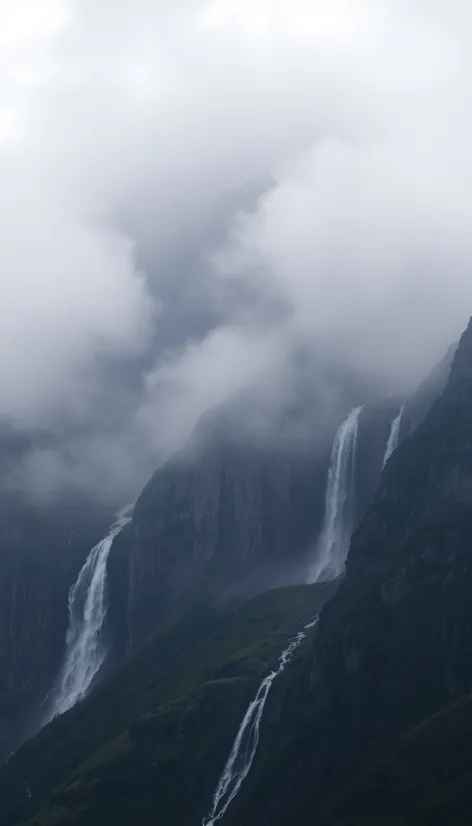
(85, 651)
(333, 544)
(245, 745)
(394, 436)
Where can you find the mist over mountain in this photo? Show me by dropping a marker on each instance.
(192, 193)
(235, 428)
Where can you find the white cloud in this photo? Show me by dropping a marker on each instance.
(129, 135)
(27, 21)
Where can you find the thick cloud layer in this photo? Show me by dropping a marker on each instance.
(193, 191)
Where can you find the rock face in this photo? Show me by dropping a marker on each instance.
(393, 648)
(41, 550)
(229, 515)
(374, 430)
(418, 406)
(232, 516)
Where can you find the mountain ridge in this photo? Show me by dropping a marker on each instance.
(393, 644)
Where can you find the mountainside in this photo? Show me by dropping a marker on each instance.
(219, 522)
(149, 743)
(224, 518)
(392, 650)
(41, 551)
(231, 516)
(419, 404)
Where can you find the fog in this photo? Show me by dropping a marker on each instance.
(195, 192)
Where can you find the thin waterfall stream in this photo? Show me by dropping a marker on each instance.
(394, 436)
(245, 745)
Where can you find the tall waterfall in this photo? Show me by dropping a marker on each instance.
(333, 544)
(245, 745)
(85, 650)
(392, 442)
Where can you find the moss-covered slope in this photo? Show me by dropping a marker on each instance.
(149, 743)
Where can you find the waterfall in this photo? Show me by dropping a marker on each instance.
(333, 544)
(245, 745)
(85, 650)
(392, 442)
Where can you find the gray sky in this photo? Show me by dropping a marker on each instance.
(193, 190)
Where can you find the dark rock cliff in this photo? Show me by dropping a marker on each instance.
(41, 550)
(393, 646)
(231, 516)
(419, 404)
(375, 423)
(235, 516)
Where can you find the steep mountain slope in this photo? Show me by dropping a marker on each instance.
(231, 515)
(41, 549)
(422, 779)
(419, 404)
(393, 649)
(226, 518)
(148, 744)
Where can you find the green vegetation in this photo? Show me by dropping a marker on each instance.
(149, 743)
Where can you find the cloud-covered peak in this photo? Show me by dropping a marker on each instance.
(192, 191)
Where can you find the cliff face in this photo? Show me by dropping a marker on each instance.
(375, 424)
(419, 404)
(41, 551)
(235, 516)
(232, 516)
(393, 647)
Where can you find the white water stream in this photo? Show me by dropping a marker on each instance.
(333, 544)
(85, 649)
(393, 438)
(245, 745)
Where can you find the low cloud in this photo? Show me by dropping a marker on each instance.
(193, 193)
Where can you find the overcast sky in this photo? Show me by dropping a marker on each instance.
(190, 191)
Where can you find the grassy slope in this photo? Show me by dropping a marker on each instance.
(149, 743)
(423, 779)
